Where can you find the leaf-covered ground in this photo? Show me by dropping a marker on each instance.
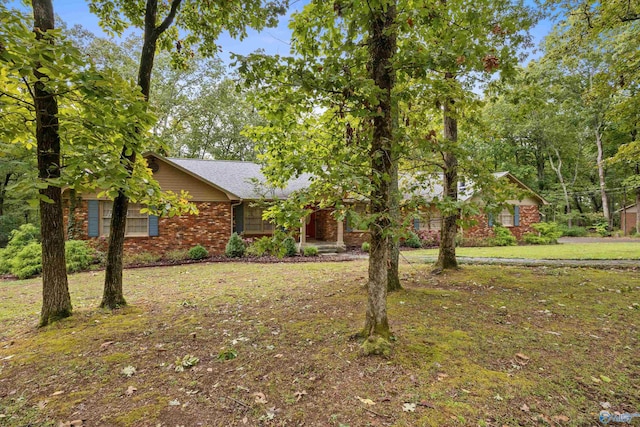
(269, 345)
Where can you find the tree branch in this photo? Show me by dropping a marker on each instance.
(175, 4)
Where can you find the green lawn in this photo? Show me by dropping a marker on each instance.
(622, 250)
(480, 346)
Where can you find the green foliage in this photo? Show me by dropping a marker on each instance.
(503, 236)
(78, 255)
(574, 231)
(139, 258)
(366, 246)
(602, 228)
(279, 245)
(177, 255)
(25, 235)
(289, 246)
(198, 252)
(28, 261)
(235, 247)
(413, 241)
(188, 361)
(229, 354)
(311, 251)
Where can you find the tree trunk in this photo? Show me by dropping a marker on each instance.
(558, 170)
(113, 295)
(447, 253)
(393, 276)
(603, 186)
(56, 302)
(382, 47)
(3, 191)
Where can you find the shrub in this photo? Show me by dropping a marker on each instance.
(310, 251)
(78, 255)
(27, 262)
(413, 241)
(366, 247)
(573, 231)
(198, 252)
(549, 232)
(289, 246)
(280, 245)
(19, 239)
(140, 258)
(177, 255)
(534, 239)
(235, 248)
(429, 238)
(503, 236)
(602, 228)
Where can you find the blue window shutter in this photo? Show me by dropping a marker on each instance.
(516, 216)
(238, 218)
(416, 224)
(490, 220)
(153, 226)
(94, 218)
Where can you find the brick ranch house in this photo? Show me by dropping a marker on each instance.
(225, 193)
(517, 217)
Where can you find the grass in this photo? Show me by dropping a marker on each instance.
(486, 346)
(599, 251)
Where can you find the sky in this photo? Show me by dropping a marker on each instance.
(271, 40)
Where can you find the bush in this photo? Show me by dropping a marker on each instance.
(198, 252)
(366, 247)
(413, 241)
(20, 238)
(310, 251)
(503, 236)
(27, 262)
(573, 231)
(429, 238)
(78, 255)
(279, 245)
(548, 233)
(602, 228)
(235, 248)
(140, 258)
(289, 247)
(177, 255)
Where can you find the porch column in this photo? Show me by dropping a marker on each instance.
(303, 232)
(340, 240)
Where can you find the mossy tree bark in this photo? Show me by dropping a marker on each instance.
(56, 302)
(447, 254)
(382, 47)
(393, 276)
(113, 295)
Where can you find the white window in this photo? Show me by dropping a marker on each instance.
(137, 222)
(506, 218)
(253, 222)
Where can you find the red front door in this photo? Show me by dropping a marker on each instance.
(311, 226)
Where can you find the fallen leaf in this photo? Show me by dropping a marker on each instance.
(605, 378)
(298, 395)
(605, 405)
(409, 407)
(57, 393)
(596, 380)
(366, 401)
(260, 397)
(278, 356)
(524, 407)
(174, 402)
(130, 390)
(498, 397)
(426, 404)
(522, 356)
(245, 420)
(106, 344)
(560, 418)
(441, 376)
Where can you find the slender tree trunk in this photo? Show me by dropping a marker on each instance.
(56, 302)
(113, 295)
(393, 273)
(603, 185)
(557, 168)
(382, 48)
(3, 191)
(447, 253)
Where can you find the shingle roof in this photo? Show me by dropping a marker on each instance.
(430, 187)
(242, 179)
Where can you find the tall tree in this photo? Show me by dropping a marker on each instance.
(203, 22)
(56, 302)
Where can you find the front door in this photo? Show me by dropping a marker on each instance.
(311, 226)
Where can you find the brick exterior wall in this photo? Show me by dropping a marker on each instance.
(211, 229)
(327, 230)
(529, 214)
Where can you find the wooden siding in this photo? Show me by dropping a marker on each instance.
(171, 178)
